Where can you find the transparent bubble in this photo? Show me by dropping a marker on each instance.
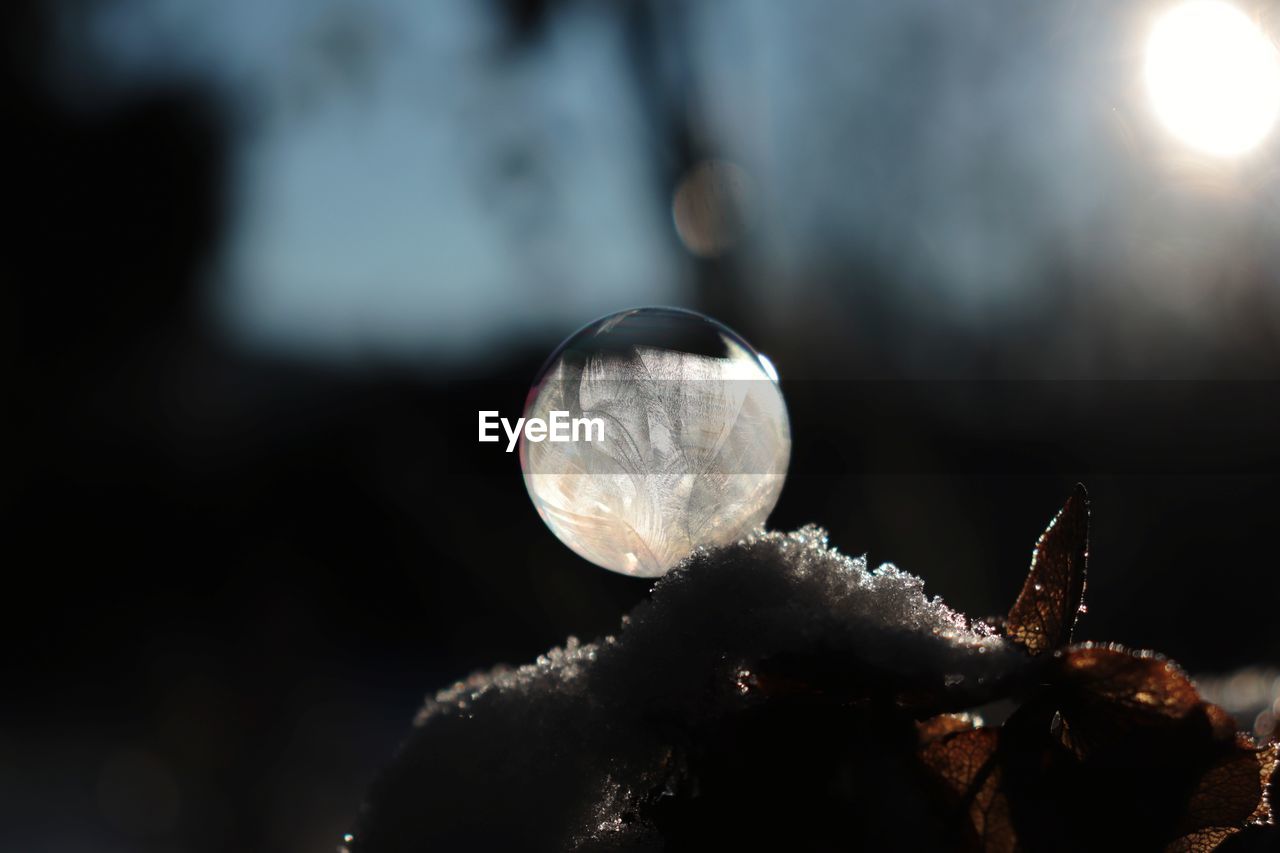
(665, 431)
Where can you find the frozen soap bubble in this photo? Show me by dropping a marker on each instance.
(688, 439)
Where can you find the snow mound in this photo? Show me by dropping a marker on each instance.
(570, 751)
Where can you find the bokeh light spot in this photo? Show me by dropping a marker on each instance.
(710, 207)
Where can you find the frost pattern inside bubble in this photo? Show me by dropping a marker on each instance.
(690, 450)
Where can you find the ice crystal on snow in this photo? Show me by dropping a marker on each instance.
(574, 743)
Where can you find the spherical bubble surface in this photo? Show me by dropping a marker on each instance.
(673, 434)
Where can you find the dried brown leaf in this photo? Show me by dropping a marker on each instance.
(1109, 693)
(942, 725)
(1111, 748)
(961, 759)
(1045, 612)
(966, 764)
(1202, 840)
(1231, 795)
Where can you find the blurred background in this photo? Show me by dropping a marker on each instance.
(270, 260)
